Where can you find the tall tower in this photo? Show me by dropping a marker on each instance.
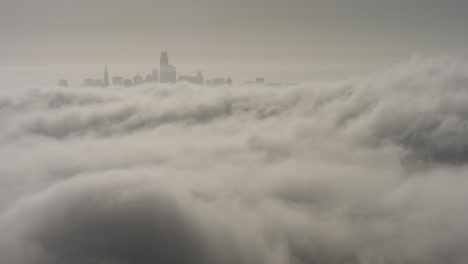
(164, 58)
(167, 72)
(106, 78)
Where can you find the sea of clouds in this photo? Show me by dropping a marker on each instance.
(362, 171)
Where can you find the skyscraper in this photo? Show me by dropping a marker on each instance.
(164, 58)
(167, 71)
(106, 78)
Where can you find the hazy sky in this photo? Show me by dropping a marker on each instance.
(271, 32)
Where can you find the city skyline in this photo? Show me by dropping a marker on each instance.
(167, 74)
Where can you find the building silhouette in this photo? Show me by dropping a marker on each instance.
(128, 82)
(137, 79)
(275, 84)
(164, 60)
(155, 75)
(219, 81)
(148, 78)
(99, 82)
(106, 78)
(63, 83)
(168, 73)
(89, 82)
(198, 79)
(117, 81)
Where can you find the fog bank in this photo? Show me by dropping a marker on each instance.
(367, 170)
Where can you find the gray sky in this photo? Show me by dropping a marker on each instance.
(270, 32)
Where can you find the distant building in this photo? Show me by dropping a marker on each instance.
(117, 81)
(89, 82)
(128, 82)
(260, 80)
(137, 79)
(168, 73)
(99, 82)
(164, 60)
(155, 75)
(275, 84)
(106, 78)
(63, 83)
(183, 78)
(219, 81)
(148, 78)
(198, 79)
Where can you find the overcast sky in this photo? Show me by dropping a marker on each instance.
(271, 32)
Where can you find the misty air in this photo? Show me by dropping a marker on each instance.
(233, 132)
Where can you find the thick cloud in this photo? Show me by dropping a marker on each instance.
(369, 170)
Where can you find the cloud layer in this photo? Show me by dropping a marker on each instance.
(369, 170)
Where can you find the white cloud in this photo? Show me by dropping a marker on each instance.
(370, 170)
